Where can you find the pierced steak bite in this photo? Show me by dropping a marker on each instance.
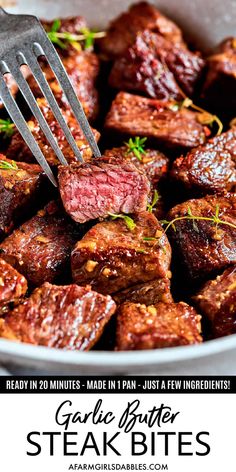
(123, 30)
(104, 186)
(133, 115)
(211, 167)
(111, 257)
(149, 293)
(13, 286)
(219, 90)
(217, 301)
(20, 187)
(83, 69)
(157, 68)
(204, 247)
(156, 326)
(19, 150)
(40, 248)
(65, 317)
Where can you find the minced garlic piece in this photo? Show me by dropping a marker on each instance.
(90, 265)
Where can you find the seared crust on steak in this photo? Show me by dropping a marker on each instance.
(204, 247)
(157, 68)
(156, 326)
(13, 286)
(65, 317)
(133, 115)
(101, 187)
(149, 293)
(217, 301)
(20, 188)
(211, 167)
(123, 30)
(40, 248)
(19, 150)
(111, 257)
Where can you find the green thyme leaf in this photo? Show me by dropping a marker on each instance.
(8, 165)
(136, 146)
(127, 219)
(217, 211)
(150, 239)
(155, 199)
(189, 212)
(89, 37)
(56, 25)
(164, 222)
(7, 128)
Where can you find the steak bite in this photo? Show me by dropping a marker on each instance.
(156, 326)
(20, 188)
(219, 90)
(149, 293)
(158, 120)
(123, 30)
(152, 162)
(83, 69)
(13, 286)
(217, 301)
(19, 150)
(205, 247)
(211, 167)
(111, 257)
(40, 248)
(157, 68)
(66, 317)
(94, 190)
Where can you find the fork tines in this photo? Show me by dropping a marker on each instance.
(28, 53)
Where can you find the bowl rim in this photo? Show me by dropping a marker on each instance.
(116, 359)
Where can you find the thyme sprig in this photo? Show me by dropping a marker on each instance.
(63, 39)
(136, 146)
(214, 219)
(7, 128)
(205, 117)
(5, 165)
(127, 219)
(157, 242)
(155, 199)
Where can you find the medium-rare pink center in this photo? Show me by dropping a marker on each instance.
(97, 192)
